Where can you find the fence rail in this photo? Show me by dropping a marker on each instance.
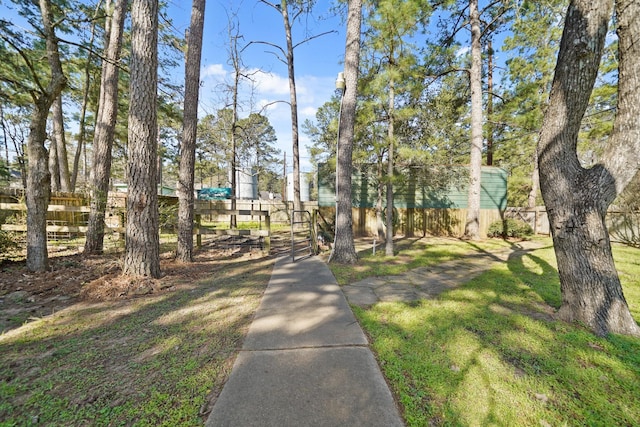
(55, 226)
(265, 234)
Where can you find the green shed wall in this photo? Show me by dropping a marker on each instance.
(413, 188)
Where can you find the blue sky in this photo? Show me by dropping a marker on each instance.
(317, 62)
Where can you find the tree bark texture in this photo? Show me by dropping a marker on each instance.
(83, 108)
(577, 198)
(379, 199)
(61, 144)
(343, 246)
(535, 183)
(104, 132)
(233, 219)
(294, 107)
(472, 227)
(38, 187)
(142, 254)
(54, 166)
(388, 247)
(189, 132)
(38, 177)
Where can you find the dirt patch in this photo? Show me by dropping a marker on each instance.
(73, 277)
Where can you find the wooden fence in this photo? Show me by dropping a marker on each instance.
(68, 214)
(417, 222)
(264, 234)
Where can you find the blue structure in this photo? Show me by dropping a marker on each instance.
(219, 193)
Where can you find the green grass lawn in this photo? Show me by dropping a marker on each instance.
(486, 353)
(152, 361)
(490, 353)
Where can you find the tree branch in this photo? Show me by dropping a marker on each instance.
(308, 39)
(27, 61)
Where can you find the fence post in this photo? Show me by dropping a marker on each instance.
(267, 239)
(198, 235)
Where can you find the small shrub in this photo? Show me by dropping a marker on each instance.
(168, 216)
(624, 222)
(510, 227)
(7, 241)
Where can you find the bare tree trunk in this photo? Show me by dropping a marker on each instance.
(104, 133)
(38, 177)
(490, 103)
(159, 160)
(83, 108)
(189, 132)
(233, 220)
(388, 247)
(61, 145)
(472, 227)
(379, 197)
(294, 107)
(54, 166)
(343, 246)
(535, 183)
(142, 255)
(577, 198)
(5, 136)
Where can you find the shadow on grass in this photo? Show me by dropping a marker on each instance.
(535, 271)
(489, 352)
(155, 360)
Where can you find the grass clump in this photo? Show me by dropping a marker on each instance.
(510, 228)
(490, 352)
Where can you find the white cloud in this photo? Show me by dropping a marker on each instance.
(309, 112)
(271, 96)
(270, 83)
(463, 51)
(213, 70)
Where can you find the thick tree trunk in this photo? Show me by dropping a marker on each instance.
(142, 255)
(38, 177)
(576, 198)
(189, 132)
(343, 245)
(472, 227)
(38, 188)
(104, 133)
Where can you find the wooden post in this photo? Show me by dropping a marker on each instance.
(314, 231)
(198, 234)
(267, 239)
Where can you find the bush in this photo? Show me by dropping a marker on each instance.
(7, 241)
(168, 216)
(510, 227)
(624, 221)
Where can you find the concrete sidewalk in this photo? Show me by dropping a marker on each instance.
(305, 360)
